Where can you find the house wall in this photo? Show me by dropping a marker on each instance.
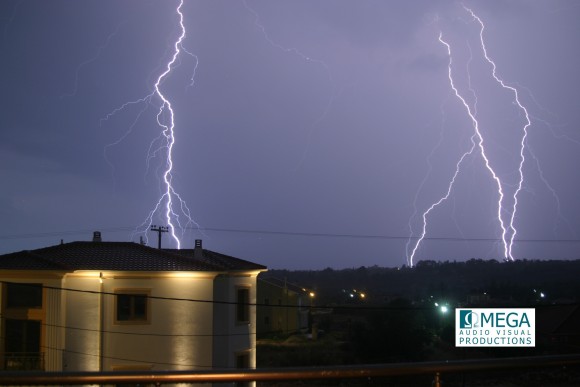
(178, 333)
(82, 321)
(231, 337)
(176, 336)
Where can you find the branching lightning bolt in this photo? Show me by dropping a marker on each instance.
(508, 244)
(476, 140)
(508, 229)
(411, 252)
(170, 206)
(170, 195)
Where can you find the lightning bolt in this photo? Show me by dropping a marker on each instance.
(507, 223)
(171, 207)
(411, 251)
(508, 244)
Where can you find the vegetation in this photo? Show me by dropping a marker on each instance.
(452, 281)
(387, 315)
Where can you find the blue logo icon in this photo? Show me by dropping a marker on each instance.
(466, 319)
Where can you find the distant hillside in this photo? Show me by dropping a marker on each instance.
(522, 281)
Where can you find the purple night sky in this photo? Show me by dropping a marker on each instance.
(314, 133)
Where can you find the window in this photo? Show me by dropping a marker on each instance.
(132, 306)
(243, 306)
(23, 295)
(22, 332)
(22, 345)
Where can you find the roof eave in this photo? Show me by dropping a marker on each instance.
(119, 274)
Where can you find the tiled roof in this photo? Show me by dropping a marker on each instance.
(226, 262)
(120, 256)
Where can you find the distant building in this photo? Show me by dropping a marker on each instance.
(103, 306)
(283, 307)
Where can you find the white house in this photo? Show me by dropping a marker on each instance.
(92, 306)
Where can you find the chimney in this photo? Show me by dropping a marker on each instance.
(97, 236)
(198, 251)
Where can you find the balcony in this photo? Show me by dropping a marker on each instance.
(24, 361)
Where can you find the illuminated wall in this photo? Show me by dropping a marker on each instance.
(177, 334)
(82, 321)
(232, 337)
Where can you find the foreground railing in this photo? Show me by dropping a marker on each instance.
(436, 369)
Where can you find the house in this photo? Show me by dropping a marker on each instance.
(283, 307)
(105, 306)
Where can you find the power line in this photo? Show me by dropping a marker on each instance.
(319, 307)
(208, 301)
(2, 317)
(290, 233)
(61, 233)
(376, 236)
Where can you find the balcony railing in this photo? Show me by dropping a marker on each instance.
(436, 369)
(24, 361)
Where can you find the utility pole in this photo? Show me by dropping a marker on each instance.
(159, 230)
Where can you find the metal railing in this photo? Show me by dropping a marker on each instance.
(437, 369)
(24, 361)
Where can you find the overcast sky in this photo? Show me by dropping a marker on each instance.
(314, 133)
